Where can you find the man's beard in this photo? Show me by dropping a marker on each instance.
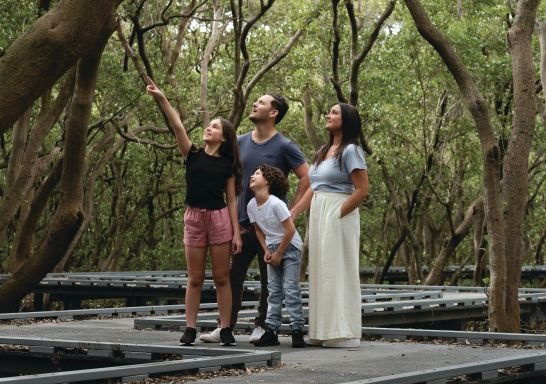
(254, 119)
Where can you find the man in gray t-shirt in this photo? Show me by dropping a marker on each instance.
(264, 145)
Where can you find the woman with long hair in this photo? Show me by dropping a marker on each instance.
(339, 183)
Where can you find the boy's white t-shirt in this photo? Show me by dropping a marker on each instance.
(269, 218)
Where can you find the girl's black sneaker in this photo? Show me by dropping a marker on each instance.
(226, 337)
(188, 338)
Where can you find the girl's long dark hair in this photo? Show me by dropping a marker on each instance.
(230, 149)
(351, 127)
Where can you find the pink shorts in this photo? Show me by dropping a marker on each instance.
(204, 227)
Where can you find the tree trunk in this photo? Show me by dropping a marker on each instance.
(426, 229)
(412, 257)
(99, 166)
(20, 133)
(240, 92)
(404, 219)
(539, 257)
(171, 58)
(26, 211)
(541, 33)
(111, 263)
(500, 319)
(479, 247)
(459, 9)
(409, 261)
(436, 275)
(69, 214)
(240, 34)
(212, 43)
(359, 57)
(515, 178)
(24, 238)
(25, 163)
(35, 61)
(310, 128)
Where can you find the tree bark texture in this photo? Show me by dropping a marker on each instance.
(25, 163)
(435, 277)
(24, 238)
(479, 245)
(500, 318)
(241, 68)
(98, 166)
(216, 33)
(35, 61)
(515, 179)
(335, 53)
(358, 57)
(310, 128)
(69, 213)
(20, 133)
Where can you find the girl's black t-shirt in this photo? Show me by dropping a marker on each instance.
(206, 178)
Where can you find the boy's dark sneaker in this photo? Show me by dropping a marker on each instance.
(188, 338)
(297, 339)
(268, 339)
(226, 337)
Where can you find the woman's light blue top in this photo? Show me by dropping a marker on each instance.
(328, 177)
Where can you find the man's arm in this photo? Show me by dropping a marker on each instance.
(302, 205)
(303, 185)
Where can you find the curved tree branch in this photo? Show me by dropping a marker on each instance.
(358, 58)
(335, 53)
(35, 61)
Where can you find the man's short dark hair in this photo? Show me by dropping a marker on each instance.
(280, 104)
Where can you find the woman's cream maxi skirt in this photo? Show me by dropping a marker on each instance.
(334, 278)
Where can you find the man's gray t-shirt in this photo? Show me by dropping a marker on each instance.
(278, 151)
(328, 177)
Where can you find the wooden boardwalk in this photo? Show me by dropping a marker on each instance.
(375, 359)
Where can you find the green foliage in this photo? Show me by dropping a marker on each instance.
(15, 20)
(138, 200)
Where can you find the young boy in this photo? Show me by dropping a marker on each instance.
(282, 245)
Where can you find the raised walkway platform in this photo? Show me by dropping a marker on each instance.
(144, 345)
(374, 362)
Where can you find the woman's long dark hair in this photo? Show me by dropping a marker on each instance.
(351, 128)
(230, 149)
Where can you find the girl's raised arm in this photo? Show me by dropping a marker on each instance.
(182, 139)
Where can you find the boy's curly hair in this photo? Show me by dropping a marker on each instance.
(278, 183)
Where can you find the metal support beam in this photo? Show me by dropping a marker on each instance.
(191, 359)
(483, 368)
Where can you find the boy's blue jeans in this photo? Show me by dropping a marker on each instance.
(283, 282)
